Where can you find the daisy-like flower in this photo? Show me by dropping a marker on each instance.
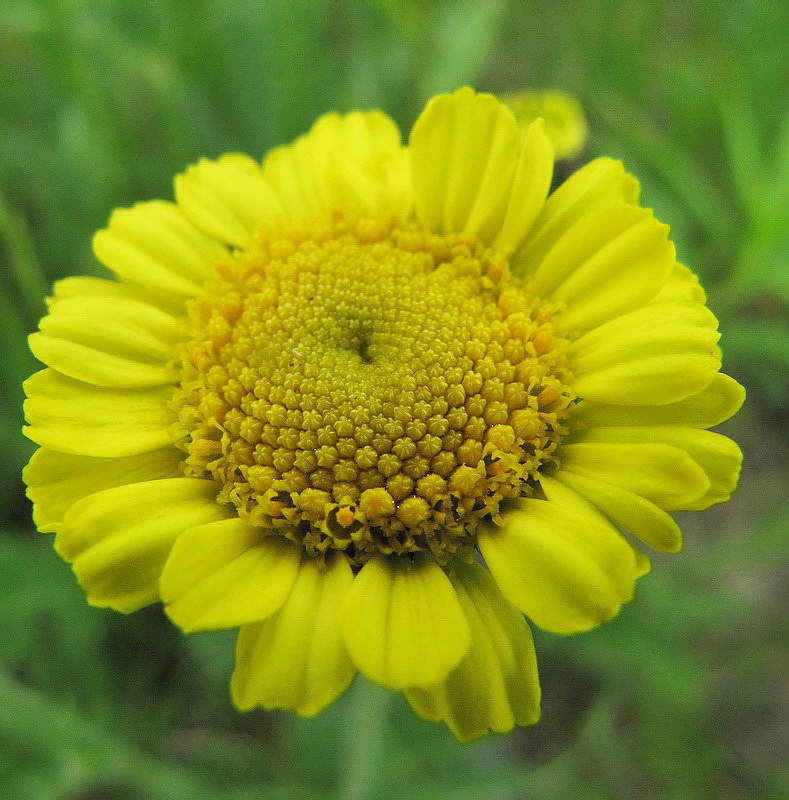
(562, 114)
(372, 403)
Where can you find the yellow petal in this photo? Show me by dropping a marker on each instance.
(643, 564)
(351, 154)
(464, 150)
(600, 183)
(98, 367)
(565, 569)
(125, 326)
(557, 493)
(496, 685)
(714, 404)
(394, 167)
(77, 418)
(354, 162)
(290, 170)
(123, 343)
(682, 287)
(228, 199)
(530, 187)
(359, 160)
(657, 354)
(662, 474)
(646, 516)
(118, 539)
(55, 481)
(609, 262)
(718, 456)
(112, 290)
(295, 659)
(154, 245)
(402, 622)
(634, 513)
(226, 574)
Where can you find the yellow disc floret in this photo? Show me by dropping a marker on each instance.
(370, 387)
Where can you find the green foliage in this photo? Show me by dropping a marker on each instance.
(680, 697)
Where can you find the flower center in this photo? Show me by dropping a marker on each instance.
(370, 387)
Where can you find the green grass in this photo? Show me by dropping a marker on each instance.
(684, 696)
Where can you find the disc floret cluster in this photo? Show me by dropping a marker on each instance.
(370, 387)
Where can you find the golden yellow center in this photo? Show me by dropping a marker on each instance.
(370, 387)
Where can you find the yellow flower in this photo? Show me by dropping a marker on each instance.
(564, 118)
(372, 403)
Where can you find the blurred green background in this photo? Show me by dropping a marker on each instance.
(685, 695)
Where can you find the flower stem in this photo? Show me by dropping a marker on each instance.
(364, 740)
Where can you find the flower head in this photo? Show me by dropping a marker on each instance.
(371, 403)
(563, 115)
